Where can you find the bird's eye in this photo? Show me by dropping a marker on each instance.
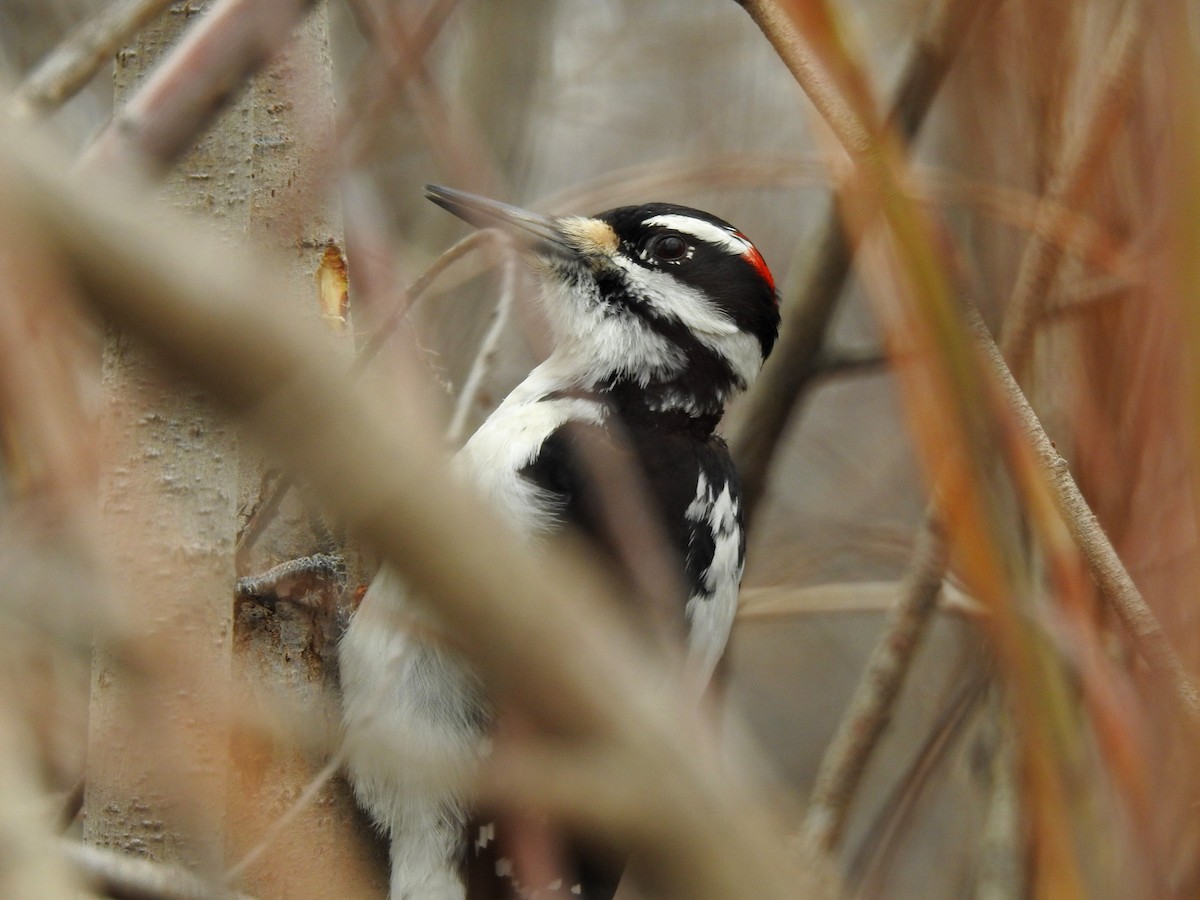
(669, 247)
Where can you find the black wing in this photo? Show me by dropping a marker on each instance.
(667, 467)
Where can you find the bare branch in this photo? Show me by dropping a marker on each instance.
(126, 877)
(806, 314)
(870, 709)
(1110, 574)
(74, 63)
(468, 398)
(295, 579)
(1075, 173)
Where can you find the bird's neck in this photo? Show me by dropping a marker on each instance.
(663, 406)
(669, 403)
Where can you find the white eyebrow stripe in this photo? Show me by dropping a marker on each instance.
(705, 231)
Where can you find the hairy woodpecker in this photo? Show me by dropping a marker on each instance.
(660, 315)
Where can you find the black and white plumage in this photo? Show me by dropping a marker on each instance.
(661, 314)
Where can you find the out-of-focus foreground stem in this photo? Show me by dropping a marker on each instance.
(526, 622)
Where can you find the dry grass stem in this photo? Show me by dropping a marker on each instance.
(861, 727)
(870, 710)
(1082, 162)
(1110, 574)
(807, 313)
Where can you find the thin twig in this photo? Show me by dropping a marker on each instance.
(807, 313)
(310, 793)
(406, 301)
(895, 816)
(126, 877)
(1082, 160)
(1002, 858)
(468, 398)
(870, 709)
(1111, 577)
(73, 63)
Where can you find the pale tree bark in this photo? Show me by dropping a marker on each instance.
(290, 653)
(156, 763)
(205, 768)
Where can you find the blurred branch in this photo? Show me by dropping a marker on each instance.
(265, 511)
(1111, 577)
(209, 66)
(1071, 232)
(807, 313)
(455, 143)
(870, 709)
(836, 363)
(125, 877)
(71, 65)
(845, 760)
(524, 620)
(468, 398)
(1075, 173)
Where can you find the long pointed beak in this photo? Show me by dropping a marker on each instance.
(541, 231)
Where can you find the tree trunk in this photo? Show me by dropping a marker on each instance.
(158, 737)
(192, 757)
(286, 658)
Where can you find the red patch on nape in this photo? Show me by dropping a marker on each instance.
(755, 259)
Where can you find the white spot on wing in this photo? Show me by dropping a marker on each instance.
(487, 834)
(710, 611)
(704, 231)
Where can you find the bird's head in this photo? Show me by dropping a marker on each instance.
(658, 304)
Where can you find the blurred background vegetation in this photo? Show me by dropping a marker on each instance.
(1050, 185)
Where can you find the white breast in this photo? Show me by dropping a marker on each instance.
(510, 440)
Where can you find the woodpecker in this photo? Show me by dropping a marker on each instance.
(660, 315)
